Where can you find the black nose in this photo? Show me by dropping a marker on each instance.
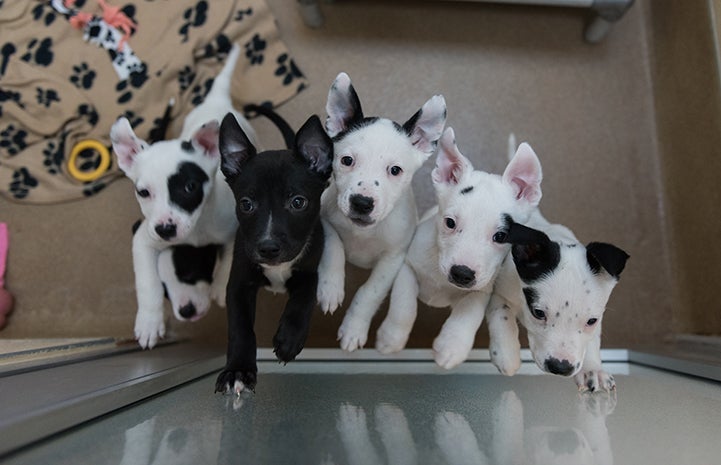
(361, 204)
(462, 275)
(187, 311)
(166, 231)
(558, 367)
(269, 249)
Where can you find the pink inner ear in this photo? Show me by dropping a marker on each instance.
(207, 137)
(524, 173)
(450, 163)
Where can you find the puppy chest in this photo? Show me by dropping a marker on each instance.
(277, 275)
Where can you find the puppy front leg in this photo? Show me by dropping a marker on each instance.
(221, 273)
(149, 324)
(295, 321)
(241, 370)
(503, 330)
(592, 378)
(455, 341)
(331, 271)
(393, 333)
(353, 332)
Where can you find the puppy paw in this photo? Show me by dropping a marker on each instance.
(352, 334)
(450, 350)
(230, 381)
(288, 342)
(507, 361)
(595, 380)
(149, 328)
(330, 295)
(217, 293)
(390, 338)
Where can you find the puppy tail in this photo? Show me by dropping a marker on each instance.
(221, 83)
(511, 146)
(285, 130)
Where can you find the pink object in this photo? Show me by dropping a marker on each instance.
(6, 299)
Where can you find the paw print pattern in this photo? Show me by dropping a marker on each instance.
(254, 50)
(89, 113)
(133, 119)
(10, 96)
(53, 155)
(12, 140)
(194, 17)
(287, 69)
(8, 49)
(186, 76)
(44, 14)
(93, 188)
(39, 51)
(46, 97)
(220, 49)
(241, 14)
(22, 182)
(200, 91)
(83, 76)
(136, 79)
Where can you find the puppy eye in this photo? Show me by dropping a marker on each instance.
(191, 187)
(346, 160)
(450, 223)
(298, 202)
(538, 314)
(591, 321)
(143, 192)
(500, 237)
(246, 205)
(395, 170)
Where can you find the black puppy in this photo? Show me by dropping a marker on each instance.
(279, 241)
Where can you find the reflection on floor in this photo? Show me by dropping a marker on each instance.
(414, 418)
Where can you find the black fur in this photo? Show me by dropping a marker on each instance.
(185, 187)
(282, 125)
(606, 256)
(193, 264)
(534, 254)
(261, 183)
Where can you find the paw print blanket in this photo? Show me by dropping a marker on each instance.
(70, 68)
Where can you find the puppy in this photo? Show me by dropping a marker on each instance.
(279, 240)
(184, 200)
(370, 202)
(558, 290)
(459, 247)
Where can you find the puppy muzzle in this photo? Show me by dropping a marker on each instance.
(462, 276)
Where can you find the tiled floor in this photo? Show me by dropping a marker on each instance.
(406, 413)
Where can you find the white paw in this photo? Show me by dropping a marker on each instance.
(390, 338)
(330, 295)
(149, 328)
(507, 361)
(595, 380)
(217, 293)
(352, 334)
(450, 350)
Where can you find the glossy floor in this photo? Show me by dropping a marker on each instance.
(401, 413)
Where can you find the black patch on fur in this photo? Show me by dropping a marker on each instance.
(187, 146)
(356, 125)
(136, 226)
(466, 190)
(606, 256)
(531, 296)
(185, 187)
(193, 264)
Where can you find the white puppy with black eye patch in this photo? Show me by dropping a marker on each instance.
(370, 202)
(558, 290)
(459, 247)
(184, 200)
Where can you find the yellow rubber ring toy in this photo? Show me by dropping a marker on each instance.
(89, 144)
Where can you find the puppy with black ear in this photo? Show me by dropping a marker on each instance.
(279, 241)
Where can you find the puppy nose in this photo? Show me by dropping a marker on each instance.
(558, 367)
(361, 204)
(462, 275)
(166, 231)
(187, 311)
(269, 249)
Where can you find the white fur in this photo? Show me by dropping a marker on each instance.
(475, 202)
(569, 296)
(213, 222)
(380, 239)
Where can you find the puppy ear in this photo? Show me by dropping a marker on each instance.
(606, 256)
(314, 146)
(126, 144)
(534, 254)
(206, 139)
(524, 174)
(451, 165)
(426, 126)
(235, 148)
(343, 106)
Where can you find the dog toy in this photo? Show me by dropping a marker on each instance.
(6, 299)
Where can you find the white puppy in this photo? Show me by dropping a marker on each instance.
(184, 200)
(459, 247)
(370, 202)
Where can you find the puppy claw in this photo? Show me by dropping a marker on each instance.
(330, 297)
(236, 382)
(390, 339)
(149, 329)
(352, 334)
(595, 381)
(450, 351)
